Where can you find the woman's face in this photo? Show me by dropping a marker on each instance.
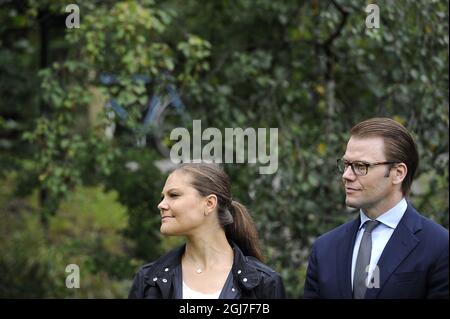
(181, 207)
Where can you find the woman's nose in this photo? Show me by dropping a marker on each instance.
(162, 205)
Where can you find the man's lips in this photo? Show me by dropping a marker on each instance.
(350, 190)
(165, 218)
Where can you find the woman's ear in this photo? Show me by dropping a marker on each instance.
(211, 204)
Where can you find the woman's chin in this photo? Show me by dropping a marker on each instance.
(166, 231)
(163, 230)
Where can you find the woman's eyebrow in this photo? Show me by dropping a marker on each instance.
(170, 190)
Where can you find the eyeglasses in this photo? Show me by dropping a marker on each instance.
(359, 168)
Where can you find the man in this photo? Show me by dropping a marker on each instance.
(389, 250)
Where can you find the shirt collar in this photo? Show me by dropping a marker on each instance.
(391, 218)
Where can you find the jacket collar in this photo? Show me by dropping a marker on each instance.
(399, 246)
(402, 242)
(344, 257)
(162, 271)
(244, 272)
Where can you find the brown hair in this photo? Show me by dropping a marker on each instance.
(209, 178)
(399, 145)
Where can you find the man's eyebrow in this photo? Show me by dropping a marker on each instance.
(345, 158)
(356, 161)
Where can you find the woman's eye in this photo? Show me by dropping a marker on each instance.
(174, 195)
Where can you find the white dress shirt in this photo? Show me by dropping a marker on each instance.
(380, 235)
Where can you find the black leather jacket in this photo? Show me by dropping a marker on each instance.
(249, 278)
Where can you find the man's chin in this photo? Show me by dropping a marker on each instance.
(352, 204)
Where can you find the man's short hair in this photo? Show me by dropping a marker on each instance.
(399, 145)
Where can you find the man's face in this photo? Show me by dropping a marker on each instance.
(371, 192)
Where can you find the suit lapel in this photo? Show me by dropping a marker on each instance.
(344, 258)
(399, 246)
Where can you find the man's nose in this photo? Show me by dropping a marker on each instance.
(348, 173)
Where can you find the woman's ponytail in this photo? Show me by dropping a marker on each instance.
(242, 231)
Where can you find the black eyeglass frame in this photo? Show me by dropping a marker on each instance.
(367, 165)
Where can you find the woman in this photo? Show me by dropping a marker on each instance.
(221, 257)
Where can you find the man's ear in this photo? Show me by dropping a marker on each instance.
(211, 204)
(399, 172)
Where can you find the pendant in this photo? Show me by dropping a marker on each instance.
(199, 271)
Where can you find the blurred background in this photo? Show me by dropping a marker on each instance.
(85, 115)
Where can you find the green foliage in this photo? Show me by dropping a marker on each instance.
(139, 184)
(26, 261)
(88, 231)
(314, 70)
(60, 141)
(124, 36)
(311, 69)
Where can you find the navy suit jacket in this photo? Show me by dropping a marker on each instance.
(414, 263)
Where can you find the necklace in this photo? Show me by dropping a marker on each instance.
(198, 270)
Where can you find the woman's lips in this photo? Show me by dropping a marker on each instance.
(165, 218)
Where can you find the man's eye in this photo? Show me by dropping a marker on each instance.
(174, 195)
(359, 166)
